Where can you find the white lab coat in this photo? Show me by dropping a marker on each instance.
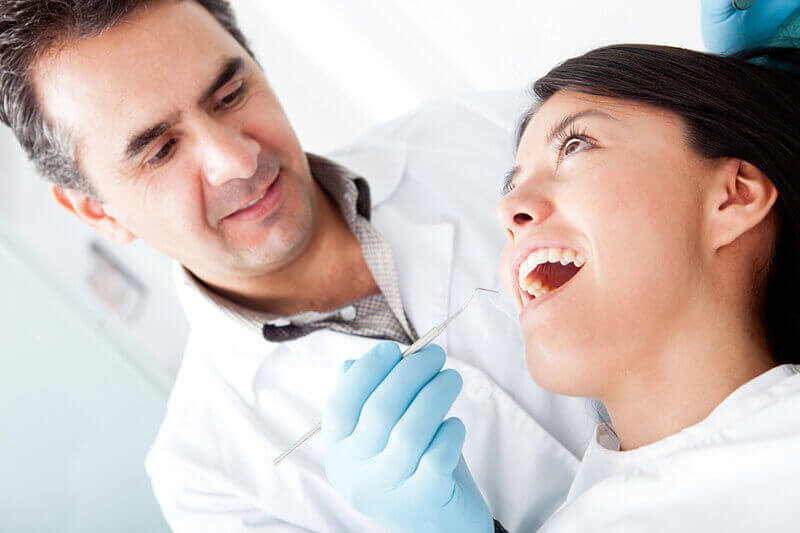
(238, 400)
(738, 470)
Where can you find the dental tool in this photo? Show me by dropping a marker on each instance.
(413, 348)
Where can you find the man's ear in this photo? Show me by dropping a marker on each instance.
(743, 197)
(92, 213)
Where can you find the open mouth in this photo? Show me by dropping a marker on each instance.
(545, 270)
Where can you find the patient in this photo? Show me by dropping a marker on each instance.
(653, 220)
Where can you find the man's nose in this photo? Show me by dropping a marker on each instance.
(522, 210)
(227, 153)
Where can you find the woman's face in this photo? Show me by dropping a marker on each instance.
(614, 187)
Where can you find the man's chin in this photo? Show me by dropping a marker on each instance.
(273, 254)
(273, 243)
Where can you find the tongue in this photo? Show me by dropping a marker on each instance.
(553, 275)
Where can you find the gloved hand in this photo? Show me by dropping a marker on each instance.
(731, 26)
(388, 451)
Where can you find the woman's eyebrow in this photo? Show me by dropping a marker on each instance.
(569, 119)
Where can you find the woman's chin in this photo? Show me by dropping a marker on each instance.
(559, 371)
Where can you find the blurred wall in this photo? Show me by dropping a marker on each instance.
(79, 408)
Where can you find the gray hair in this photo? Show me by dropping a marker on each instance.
(28, 29)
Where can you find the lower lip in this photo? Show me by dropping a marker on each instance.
(536, 302)
(263, 207)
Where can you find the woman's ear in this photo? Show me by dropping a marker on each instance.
(92, 213)
(743, 196)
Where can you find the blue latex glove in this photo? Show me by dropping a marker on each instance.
(731, 26)
(388, 451)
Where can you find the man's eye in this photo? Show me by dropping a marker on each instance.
(162, 154)
(232, 97)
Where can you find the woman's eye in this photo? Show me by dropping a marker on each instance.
(163, 153)
(508, 184)
(573, 145)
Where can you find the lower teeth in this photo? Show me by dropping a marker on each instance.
(537, 291)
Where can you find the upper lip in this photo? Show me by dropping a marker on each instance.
(525, 248)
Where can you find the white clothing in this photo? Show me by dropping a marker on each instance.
(239, 401)
(736, 470)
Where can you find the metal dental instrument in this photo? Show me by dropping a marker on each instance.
(415, 347)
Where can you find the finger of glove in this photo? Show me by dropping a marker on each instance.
(721, 24)
(719, 10)
(442, 455)
(392, 397)
(728, 29)
(416, 428)
(343, 408)
(450, 502)
(467, 502)
(432, 484)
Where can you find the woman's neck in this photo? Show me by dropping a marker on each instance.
(680, 384)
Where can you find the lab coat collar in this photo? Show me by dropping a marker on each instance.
(423, 256)
(423, 253)
(381, 164)
(741, 403)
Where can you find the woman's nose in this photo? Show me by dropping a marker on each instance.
(227, 153)
(519, 211)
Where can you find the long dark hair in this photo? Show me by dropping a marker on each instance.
(735, 107)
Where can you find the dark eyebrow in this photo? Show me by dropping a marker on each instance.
(139, 141)
(569, 119)
(230, 68)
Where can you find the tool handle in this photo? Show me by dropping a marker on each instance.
(424, 340)
(302, 440)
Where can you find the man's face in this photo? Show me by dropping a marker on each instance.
(178, 131)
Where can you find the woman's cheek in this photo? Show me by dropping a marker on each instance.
(506, 277)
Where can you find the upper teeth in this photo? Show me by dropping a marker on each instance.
(253, 202)
(548, 255)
